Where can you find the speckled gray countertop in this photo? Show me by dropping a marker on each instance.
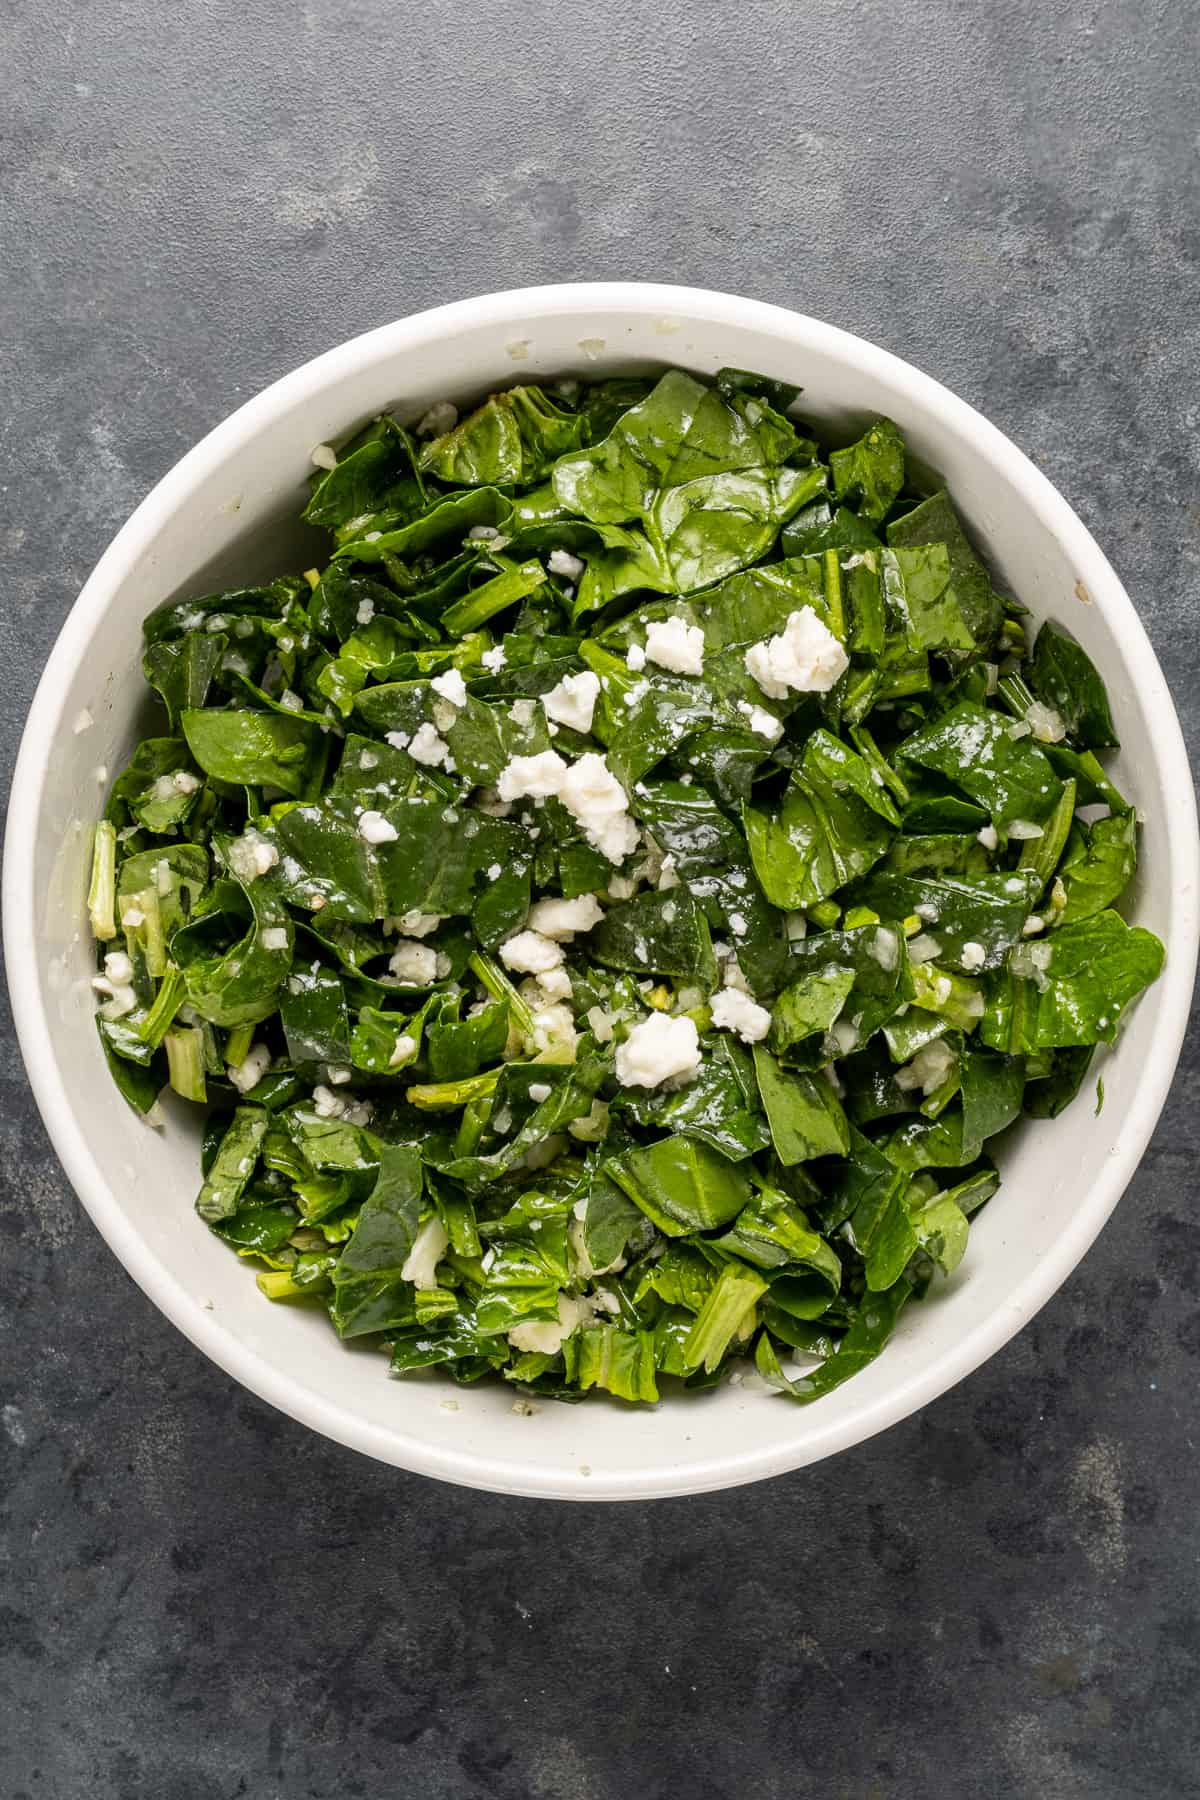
(200, 1600)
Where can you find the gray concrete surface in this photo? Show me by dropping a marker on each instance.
(201, 1601)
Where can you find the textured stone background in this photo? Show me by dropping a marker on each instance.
(202, 1601)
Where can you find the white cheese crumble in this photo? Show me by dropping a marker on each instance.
(987, 836)
(250, 855)
(972, 956)
(561, 919)
(403, 1050)
(494, 660)
(539, 1091)
(417, 964)
(596, 800)
(275, 937)
(1021, 829)
(428, 1248)
(373, 828)
(885, 948)
(635, 658)
(573, 701)
(413, 924)
(923, 948)
(535, 777)
(561, 562)
(928, 1068)
(168, 787)
(553, 984)
(529, 953)
(428, 748)
(451, 686)
(323, 456)
(760, 721)
(804, 658)
(658, 1049)
(441, 418)
(674, 644)
(734, 1011)
(250, 1071)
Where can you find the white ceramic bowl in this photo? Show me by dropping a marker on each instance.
(226, 513)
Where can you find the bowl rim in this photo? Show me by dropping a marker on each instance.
(268, 1379)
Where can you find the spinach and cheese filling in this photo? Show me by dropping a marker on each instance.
(609, 908)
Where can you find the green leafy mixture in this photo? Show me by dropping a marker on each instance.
(611, 907)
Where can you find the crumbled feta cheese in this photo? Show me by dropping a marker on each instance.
(733, 975)
(250, 1071)
(1021, 829)
(168, 787)
(484, 534)
(415, 923)
(521, 712)
(972, 956)
(451, 686)
(327, 1104)
(403, 1051)
(561, 562)
(132, 917)
(553, 1036)
(596, 800)
(1033, 924)
(674, 644)
(842, 1037)
(529, 953)
(428, 748)
(441, 418)
(494, 660)
(923, 948)
(537, 777)
(373, 828)
(925, 909)
(635, 658)
(928, 1068)
(804, 657)
(291, 701)
(988, 837)
(762, 722)
(573, 701)
(399, 740)
(428, 1248)
(275, 937)
(118, 968)
(738, 924)
(734, 1011)
(658, 1049)
(417, 964)
(365, 612)
(553, 984)
(668, 875)
(250, 856)
(539, 1091)
(885, 948)
(561, 919)
(323, 456)
(621, 887)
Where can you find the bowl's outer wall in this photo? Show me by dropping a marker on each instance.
(226, 513)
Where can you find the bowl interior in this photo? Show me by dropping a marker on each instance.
(228, 514)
